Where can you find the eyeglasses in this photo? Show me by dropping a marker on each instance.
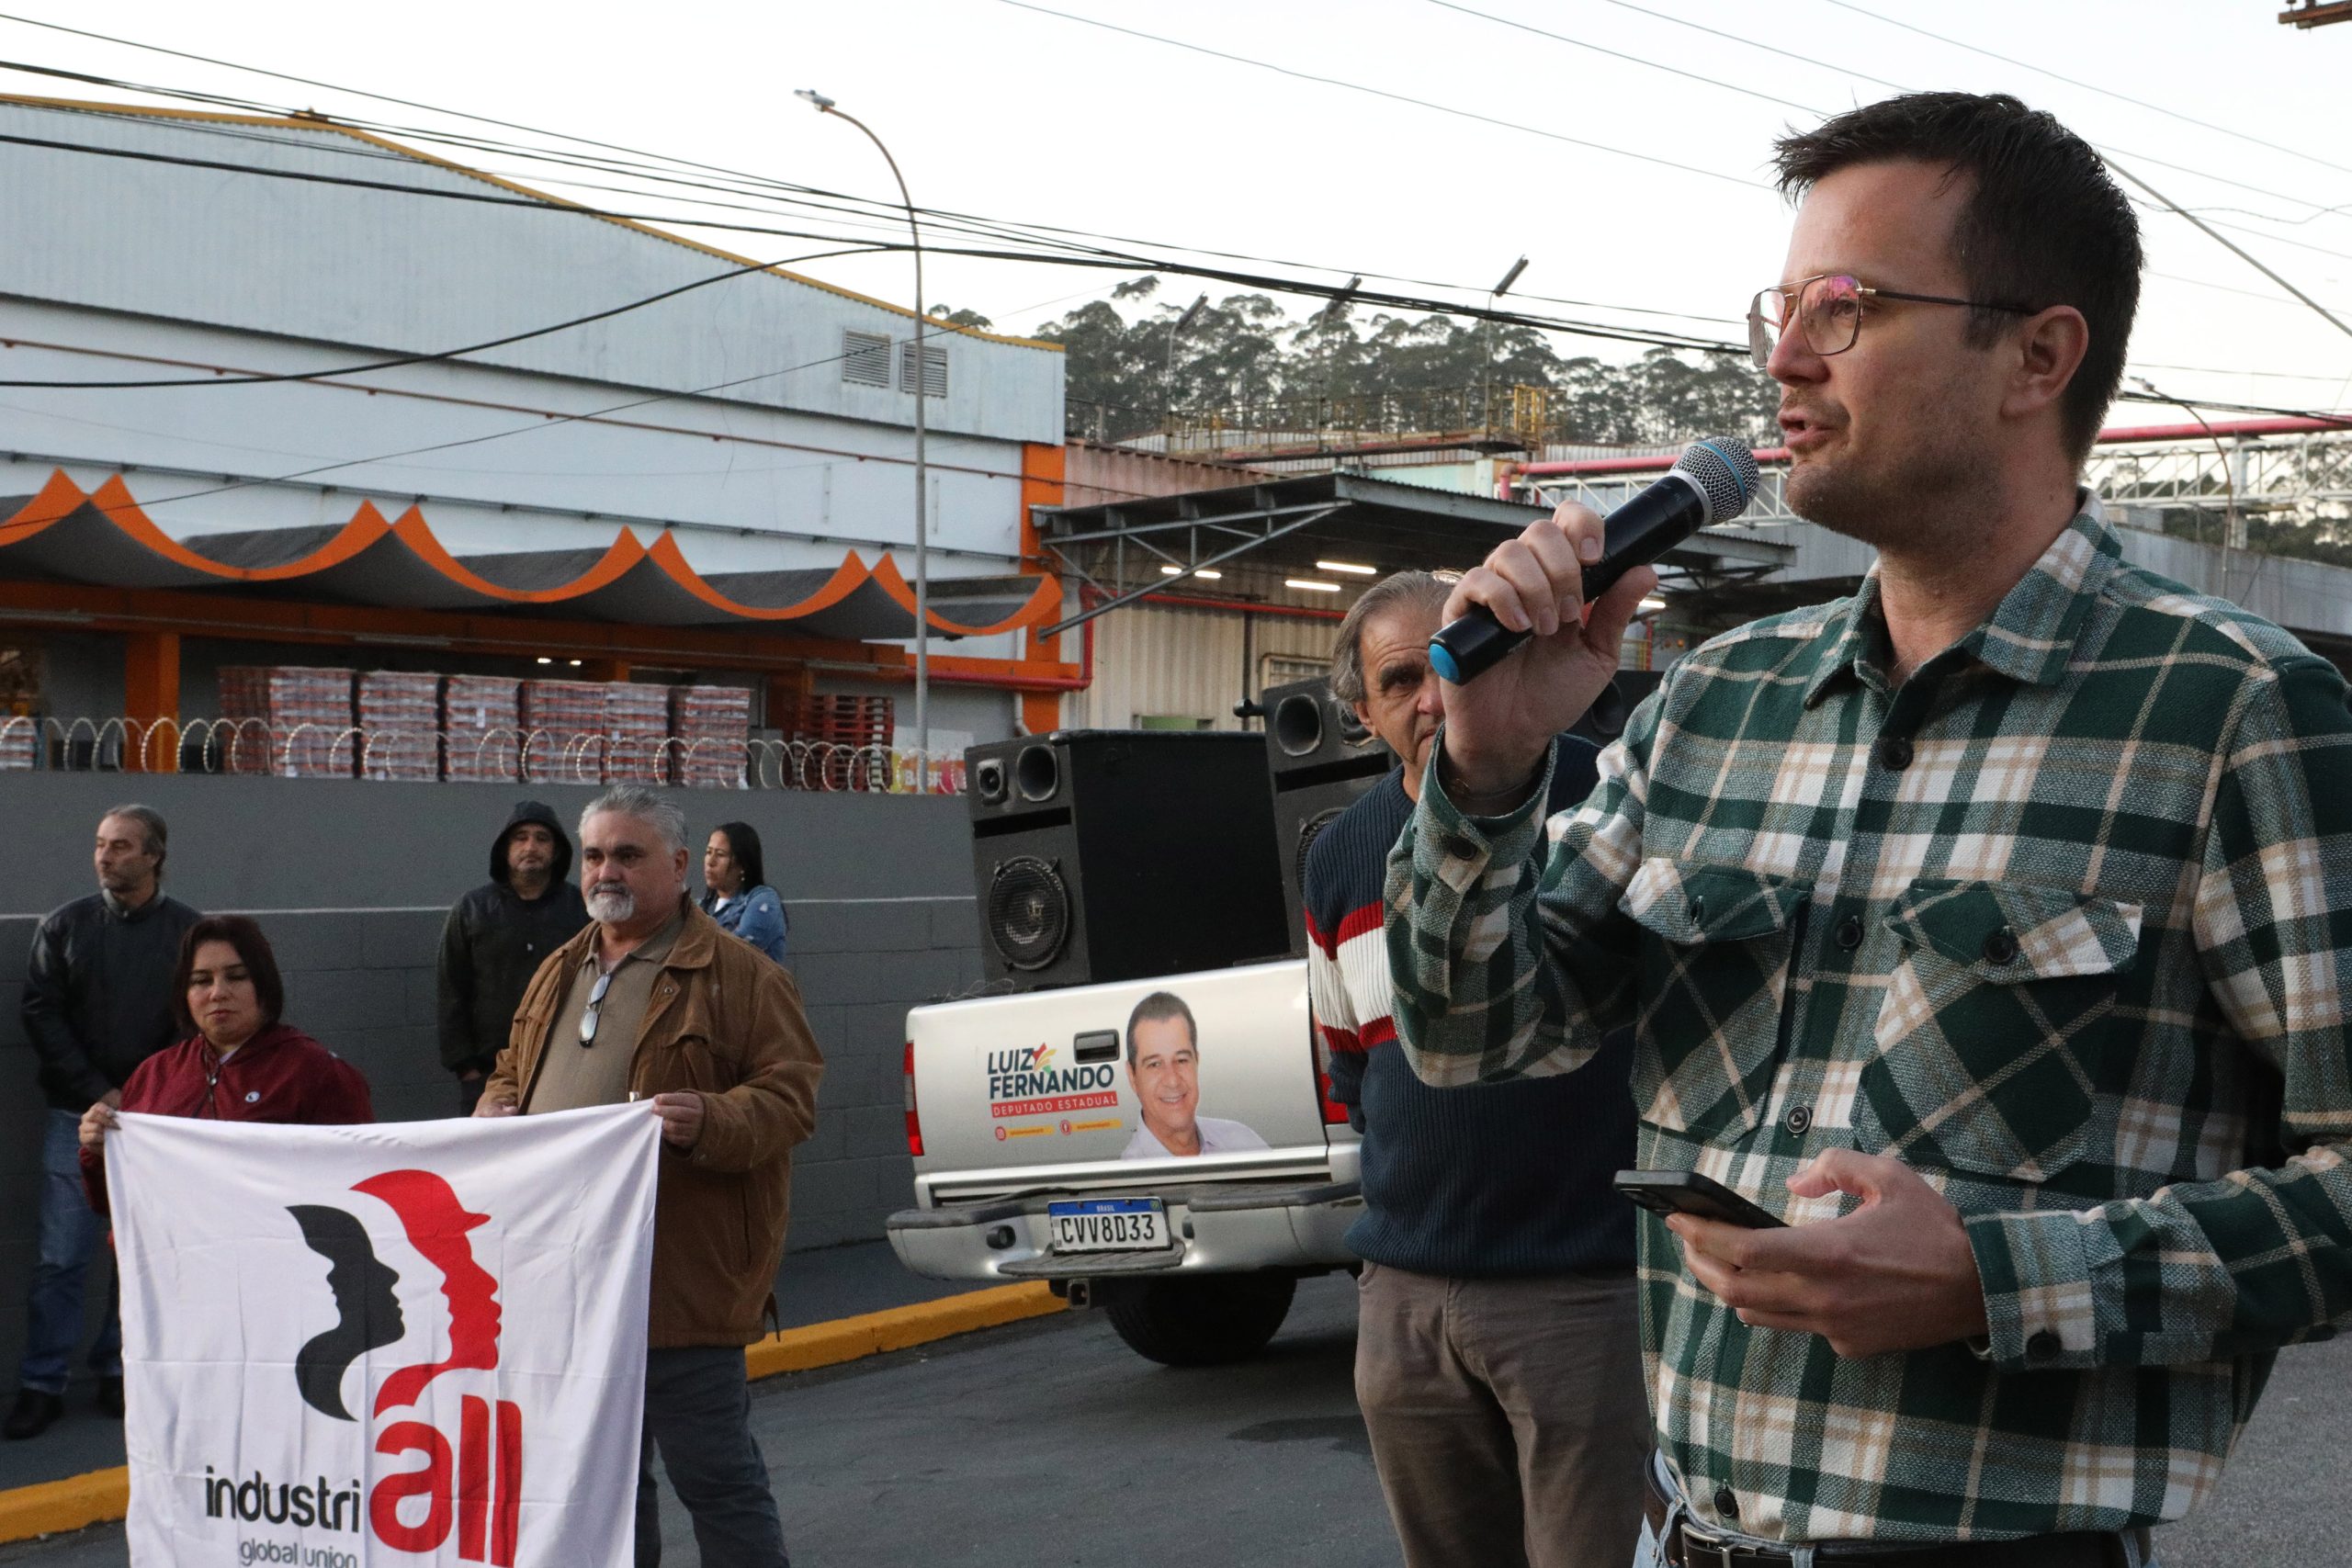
(588, 1014)
(1828, 310)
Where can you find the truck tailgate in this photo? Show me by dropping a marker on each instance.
(1021, 1093)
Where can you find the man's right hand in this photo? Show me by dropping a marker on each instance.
(486, 1106)
(1499, 727)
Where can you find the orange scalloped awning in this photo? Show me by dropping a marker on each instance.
(103, 537)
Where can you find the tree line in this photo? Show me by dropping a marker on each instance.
(1126, 374)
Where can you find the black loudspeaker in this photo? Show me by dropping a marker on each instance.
(1120, 854)
(1320, 759)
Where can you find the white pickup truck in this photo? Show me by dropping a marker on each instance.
(1042, 1126)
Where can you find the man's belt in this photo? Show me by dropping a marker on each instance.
(1686, 1545)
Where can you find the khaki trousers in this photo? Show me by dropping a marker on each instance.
(1507, 1416)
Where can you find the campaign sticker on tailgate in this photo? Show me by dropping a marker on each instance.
(1108, 1224)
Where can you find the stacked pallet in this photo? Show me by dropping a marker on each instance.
(636, 732)
(713, 726)
(290, 719)
(841, 742)
(564, 725)
(399, 725)
(482, 724)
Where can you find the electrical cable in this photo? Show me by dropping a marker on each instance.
(1138, 263)
(1383, 93)
(2318, 209)
(879, 213)
(2095, 87)
(447, 354)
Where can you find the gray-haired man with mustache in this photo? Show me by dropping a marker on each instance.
(654, 1002)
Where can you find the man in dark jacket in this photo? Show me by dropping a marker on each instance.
(97, 1002)
(496, 938)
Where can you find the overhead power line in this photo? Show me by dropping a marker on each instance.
(2288, 149)
(1098, 260)
(396, 361)
(1454, 110)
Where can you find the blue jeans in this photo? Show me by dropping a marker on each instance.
(70, 1232)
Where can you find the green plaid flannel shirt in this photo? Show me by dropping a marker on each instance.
(2063, 922)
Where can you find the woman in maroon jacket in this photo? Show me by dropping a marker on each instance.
(241, 1064)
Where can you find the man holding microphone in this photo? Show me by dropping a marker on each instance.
(1985, 927)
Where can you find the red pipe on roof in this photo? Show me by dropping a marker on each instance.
(2283, 426)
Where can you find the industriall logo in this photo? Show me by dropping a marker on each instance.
(473, 1486)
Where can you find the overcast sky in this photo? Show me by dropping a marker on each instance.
(1006, 111)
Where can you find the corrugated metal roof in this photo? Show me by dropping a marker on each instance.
(102, 219)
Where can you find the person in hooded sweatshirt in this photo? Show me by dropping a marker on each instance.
(496, 938)
(239, 1061)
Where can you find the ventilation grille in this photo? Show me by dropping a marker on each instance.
(934, 381)
(865, 358)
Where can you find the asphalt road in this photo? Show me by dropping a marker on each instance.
(1049, 1443)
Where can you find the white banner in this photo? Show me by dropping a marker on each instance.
(409, 1343)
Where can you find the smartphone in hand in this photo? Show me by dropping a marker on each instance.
(1688, 1192)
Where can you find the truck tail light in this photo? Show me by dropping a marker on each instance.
(914, 1121)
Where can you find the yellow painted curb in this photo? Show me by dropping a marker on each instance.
(67, 1505)
(848, 1338)
(104, 1495)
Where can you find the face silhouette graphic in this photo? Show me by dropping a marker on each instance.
(437, 1224)
(368, 1314)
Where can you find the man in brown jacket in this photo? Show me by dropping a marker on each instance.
(654, 1002)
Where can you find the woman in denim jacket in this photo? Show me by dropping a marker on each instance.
(738, 895)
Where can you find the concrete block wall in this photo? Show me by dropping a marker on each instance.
(882, 918)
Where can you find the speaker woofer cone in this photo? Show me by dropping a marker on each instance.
(1298, 725)
(1037, 773)
(1028, 911)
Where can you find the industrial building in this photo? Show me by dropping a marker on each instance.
(493, 479)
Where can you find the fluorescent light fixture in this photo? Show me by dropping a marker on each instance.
(1204, 573)
(574, 663)
(1210, 576)
(1653, 603)
(1347, 565)
(1171, 571)
(545, 659)
(1310, 585)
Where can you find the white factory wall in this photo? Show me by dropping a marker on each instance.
(407, 270)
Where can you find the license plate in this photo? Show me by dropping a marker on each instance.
(1109, 1225)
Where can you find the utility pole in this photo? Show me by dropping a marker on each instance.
(2316, 14)
(923, 493)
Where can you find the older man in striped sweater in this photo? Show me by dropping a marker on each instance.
(1498, 1360)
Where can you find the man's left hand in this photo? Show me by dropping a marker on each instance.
(681, 1118)
(1896, 1274)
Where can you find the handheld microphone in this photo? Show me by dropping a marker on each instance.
(1713, 481)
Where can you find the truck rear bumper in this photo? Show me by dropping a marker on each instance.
(1222, 1230)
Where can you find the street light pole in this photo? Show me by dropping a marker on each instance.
(1168, 380)
(922, 493)
(1487, 359)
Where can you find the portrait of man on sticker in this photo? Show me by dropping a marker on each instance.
(1164, 1071)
